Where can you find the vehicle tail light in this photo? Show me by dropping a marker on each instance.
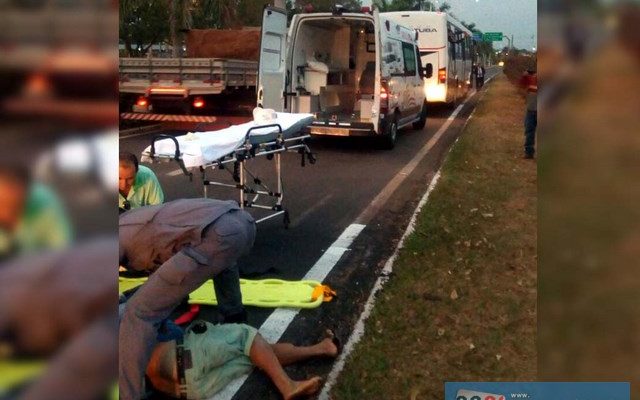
(442, 75)
(384, 97)
(142, 101)
(198, 102)
(38, 85)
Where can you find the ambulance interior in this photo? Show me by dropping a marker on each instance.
(334, 68)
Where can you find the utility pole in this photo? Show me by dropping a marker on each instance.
(511, 41)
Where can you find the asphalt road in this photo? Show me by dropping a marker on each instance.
(324, 200)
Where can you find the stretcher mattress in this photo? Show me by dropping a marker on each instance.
(268, 293)
(202, 148)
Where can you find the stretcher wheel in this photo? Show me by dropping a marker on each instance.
(286, 220)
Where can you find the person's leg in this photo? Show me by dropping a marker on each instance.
(288, 353)
(229, 238)
(530, 124)
(263, 357)
(226, 285)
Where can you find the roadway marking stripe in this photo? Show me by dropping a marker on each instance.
(175, 172)
(273, 328)
(380, 200)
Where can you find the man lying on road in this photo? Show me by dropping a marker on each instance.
(209, 356)
(184, 243)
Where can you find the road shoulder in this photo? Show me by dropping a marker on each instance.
(461, 303)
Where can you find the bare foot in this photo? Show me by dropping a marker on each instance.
(303, 388)
(329, 348)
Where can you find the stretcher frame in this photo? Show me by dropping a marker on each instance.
(253, 192)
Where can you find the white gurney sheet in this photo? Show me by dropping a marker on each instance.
(202, 148)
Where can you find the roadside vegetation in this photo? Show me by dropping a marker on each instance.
(461, 302)
(516, 65)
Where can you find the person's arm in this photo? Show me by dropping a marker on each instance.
(46, 222)
(58, 230)
(154, 193)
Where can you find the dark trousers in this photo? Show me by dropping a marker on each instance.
(228, 238)
(530, 124)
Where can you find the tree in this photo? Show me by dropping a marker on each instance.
(444, 7)
(250, 11)
(219, 14)
(225, 14)
(483, 49)
(173, 34)
(142, 24)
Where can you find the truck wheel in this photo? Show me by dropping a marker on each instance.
(419, 124)
(390, 134)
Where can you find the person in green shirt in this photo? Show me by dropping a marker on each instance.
(32, 217)
(138, 185)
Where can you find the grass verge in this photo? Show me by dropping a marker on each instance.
(461, 303)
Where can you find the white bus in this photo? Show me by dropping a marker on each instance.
(448, 46)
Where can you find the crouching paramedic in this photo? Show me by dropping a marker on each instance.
(184, 243)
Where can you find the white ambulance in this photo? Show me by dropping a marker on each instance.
(359, 73)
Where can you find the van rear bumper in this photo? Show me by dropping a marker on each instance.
(330, 128)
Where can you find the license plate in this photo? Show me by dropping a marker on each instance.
(329, 131)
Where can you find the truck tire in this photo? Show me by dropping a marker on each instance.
(419, 124)
(390, 134)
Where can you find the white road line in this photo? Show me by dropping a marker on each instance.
(175, 172)
(299, 218)
(277, 323)
(358, 329)
(380, 200)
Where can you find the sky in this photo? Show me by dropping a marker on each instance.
(512, 17)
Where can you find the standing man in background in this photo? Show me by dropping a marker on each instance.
(480, 77)
(138, 186)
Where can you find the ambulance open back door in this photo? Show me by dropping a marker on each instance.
(272, 68)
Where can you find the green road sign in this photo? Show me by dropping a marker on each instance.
(492, 37)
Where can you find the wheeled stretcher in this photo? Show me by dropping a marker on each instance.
(229, 149)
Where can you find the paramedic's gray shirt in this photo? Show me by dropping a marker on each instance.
(151, 235)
